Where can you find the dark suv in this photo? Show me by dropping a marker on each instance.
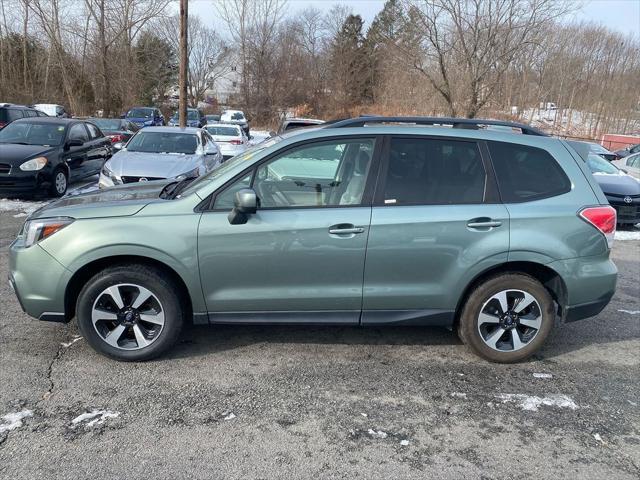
(10, 112)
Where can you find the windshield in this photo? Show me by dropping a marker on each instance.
(597, 164)
(596, 148)
(193, 115)
(163, 142)
(223, 131)
(140, 113)
(230, 164)
(106, 123)
(32, 133)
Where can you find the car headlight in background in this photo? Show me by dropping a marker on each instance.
(191, 174)
(107, 172)
(34, 164)
(36, 230)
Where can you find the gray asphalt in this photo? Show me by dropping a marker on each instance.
(302, 402)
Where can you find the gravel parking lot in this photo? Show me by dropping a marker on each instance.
(302, 402)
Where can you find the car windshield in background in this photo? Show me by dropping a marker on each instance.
(237, 116)
(106, 123)
(140, 113)
(32, 133)
(223, 131)
(599, 165)
(163, 142)
(596, 148)
(192, 115)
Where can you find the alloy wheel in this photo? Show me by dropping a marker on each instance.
(128, 316)
(61, 182)
(509, 320)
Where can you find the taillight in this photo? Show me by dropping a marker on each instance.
(603, 218)
(236, 142)
(116, 138)
(2, 124)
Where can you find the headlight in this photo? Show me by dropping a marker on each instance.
(107, 172)
(191, 174)
(34, 164)
(36, 230)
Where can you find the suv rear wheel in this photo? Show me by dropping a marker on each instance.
(130, 312)
(507, 318)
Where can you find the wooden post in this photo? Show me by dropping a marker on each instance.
(184, 61)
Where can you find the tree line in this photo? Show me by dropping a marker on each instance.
(496, 58)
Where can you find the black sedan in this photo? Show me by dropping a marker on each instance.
(42, 155)
(118, 130)
(622, 190)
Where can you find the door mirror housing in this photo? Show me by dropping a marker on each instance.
(117, 146)
(74, 142)
(245, 204)
(210, 149)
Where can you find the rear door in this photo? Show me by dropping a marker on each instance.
(436, 223)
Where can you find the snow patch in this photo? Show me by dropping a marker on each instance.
(459, 395)
(532, 403)
(22, 206)
(258, 136)
(630, 312)
(376, 433)
(228, 416)
(13, 420)
(598, 437)
(542, 375)
(404, 443)
(93, 418)
(73, 340)
(627, 235)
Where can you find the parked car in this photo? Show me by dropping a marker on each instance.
(497, 234)
(212, 118)
(118, 130)
(295, 123)
(145, 117)
(10, 112)
(622, 190)
(630, 164)
(603, 152)
(236, 117)
(52, 110)
(160, 153)
(630, 150)
(195, 118)
(42, 155)
(230, 139)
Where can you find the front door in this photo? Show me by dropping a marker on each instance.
(436, 224)
(300, 258)
(76, 157)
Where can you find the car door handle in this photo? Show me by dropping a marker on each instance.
(483, 223)
(345, 229)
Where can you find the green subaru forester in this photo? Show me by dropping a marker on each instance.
(496, 233)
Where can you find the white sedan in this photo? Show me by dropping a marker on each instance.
(230, 138)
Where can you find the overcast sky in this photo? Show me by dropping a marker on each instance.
(622, 15)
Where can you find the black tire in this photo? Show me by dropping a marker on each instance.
(155, 281)
(468, 329)
(59, 182)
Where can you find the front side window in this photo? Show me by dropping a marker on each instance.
(425, 171)
(225, 199)
(526, 173)
(321, 174)
(93, 131)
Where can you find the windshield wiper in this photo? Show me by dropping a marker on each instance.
(172, 190)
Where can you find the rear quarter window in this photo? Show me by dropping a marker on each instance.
(526, 173)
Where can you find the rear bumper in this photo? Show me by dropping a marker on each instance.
(590, 284)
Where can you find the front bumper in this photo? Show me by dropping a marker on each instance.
(628, 212)
(39, 281)
(18, 182)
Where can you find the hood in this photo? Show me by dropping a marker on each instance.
(113, 202)
(15, 154)
(152, 165)
(618, 184)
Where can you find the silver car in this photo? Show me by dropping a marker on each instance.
(159, 153)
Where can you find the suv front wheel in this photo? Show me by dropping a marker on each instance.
(507, 318)
(130, 312)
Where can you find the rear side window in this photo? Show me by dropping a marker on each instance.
(526, 173)
(424, 171)
(8, 115)
(30, 113)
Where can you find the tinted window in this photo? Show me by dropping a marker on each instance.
(13, 114)
(322, 174)
(78, 132)
(526, 173)
(434, 172)
(93, 131)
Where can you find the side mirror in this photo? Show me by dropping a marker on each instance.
(122, 116)
(245, 204)
(272, 133)
(210, 149)
(117, 146)
(74, 142)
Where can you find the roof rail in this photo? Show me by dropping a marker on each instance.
(464, 123)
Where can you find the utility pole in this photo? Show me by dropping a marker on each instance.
(184, 61)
